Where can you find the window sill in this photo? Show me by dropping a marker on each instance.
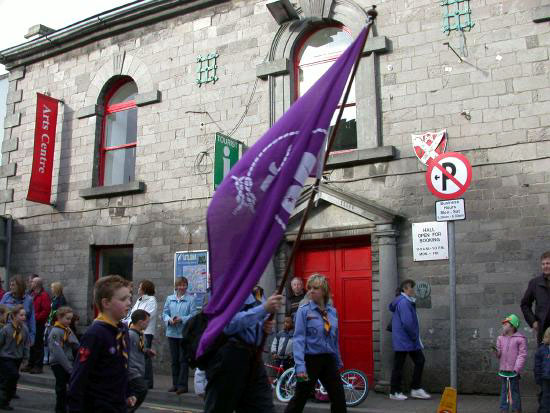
(360, 157)
(135, 187)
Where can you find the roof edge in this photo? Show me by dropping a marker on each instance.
(111, 22)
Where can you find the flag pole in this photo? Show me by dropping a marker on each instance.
(371, 15)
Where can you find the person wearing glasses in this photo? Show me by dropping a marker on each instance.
(315, 346)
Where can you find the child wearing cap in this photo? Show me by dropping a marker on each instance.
(511, 349)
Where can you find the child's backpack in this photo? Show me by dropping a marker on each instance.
(192, 333)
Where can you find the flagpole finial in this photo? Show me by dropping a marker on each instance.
(372, 13)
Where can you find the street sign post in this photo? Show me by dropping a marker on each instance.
(448, 177)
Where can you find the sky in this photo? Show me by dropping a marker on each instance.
(16, 16)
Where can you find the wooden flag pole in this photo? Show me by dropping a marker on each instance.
(315, 188)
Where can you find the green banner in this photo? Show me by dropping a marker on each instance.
(227, 151)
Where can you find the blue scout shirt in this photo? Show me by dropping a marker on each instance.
(99, 381)
(247, 325)
(310, 336)
(183, 307)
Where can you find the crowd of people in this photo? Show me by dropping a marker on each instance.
(109, 367)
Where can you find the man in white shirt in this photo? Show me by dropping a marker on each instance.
(146, 301)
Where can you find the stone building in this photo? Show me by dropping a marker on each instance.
(134, 154)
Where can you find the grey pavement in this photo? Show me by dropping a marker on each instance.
(37, 394)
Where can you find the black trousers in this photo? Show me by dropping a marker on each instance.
(319, 367)
(138, 388)
(237, 382)
(149, 362)
(36, 357)
(61, 382)
(397, 372)
(180, 366)
(9, 369)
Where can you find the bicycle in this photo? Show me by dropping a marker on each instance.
(283, 365)
(355, 383)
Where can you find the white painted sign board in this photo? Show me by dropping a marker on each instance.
(451, 210)
(430, 241)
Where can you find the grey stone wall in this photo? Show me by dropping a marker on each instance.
(423, 87)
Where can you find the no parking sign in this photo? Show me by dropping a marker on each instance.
(449, 175)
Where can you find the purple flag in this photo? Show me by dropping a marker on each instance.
(250, 209)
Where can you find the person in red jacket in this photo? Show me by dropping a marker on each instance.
(42, 306)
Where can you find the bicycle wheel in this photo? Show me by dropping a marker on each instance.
(356, 386)
(286, 386)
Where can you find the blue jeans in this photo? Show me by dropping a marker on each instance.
(516, 398)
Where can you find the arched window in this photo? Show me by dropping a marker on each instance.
(315, 54)
(119, 135)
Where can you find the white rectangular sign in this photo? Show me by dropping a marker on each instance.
(451, 210)
(430, 241)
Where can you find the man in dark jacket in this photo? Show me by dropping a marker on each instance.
(538, 291)
(42, 306)
(295, 295)
(406, 340)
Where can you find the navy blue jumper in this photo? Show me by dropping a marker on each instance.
(99, 381)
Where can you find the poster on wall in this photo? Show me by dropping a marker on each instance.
(193, 265)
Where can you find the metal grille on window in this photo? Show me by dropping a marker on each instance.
(206, 68)
(457, 15)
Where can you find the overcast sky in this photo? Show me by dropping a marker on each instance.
(16, 16)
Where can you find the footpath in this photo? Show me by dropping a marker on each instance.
(375, 402)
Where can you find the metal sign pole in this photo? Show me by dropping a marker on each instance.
(452, 301)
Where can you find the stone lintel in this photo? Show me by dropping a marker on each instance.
(541, 14)
(147, 98)
(274, 68)
(89, 111)
(361, 156)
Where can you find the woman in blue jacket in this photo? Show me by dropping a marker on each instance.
(178, 308)
(315, 347)
(18, 295)
(406, 340)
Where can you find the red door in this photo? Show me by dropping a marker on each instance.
(348, 267)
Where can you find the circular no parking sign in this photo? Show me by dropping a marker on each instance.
(449, 175)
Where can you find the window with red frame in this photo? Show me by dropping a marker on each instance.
(117, 150)
(316, 53)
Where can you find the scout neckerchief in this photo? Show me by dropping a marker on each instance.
(121, 343)
(326, 322)
(17, 329)
(141, 338)
(66, 332)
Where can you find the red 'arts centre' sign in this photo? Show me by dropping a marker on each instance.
(40, 187)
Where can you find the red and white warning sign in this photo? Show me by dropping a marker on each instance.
(429, 145)
(449, 175)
